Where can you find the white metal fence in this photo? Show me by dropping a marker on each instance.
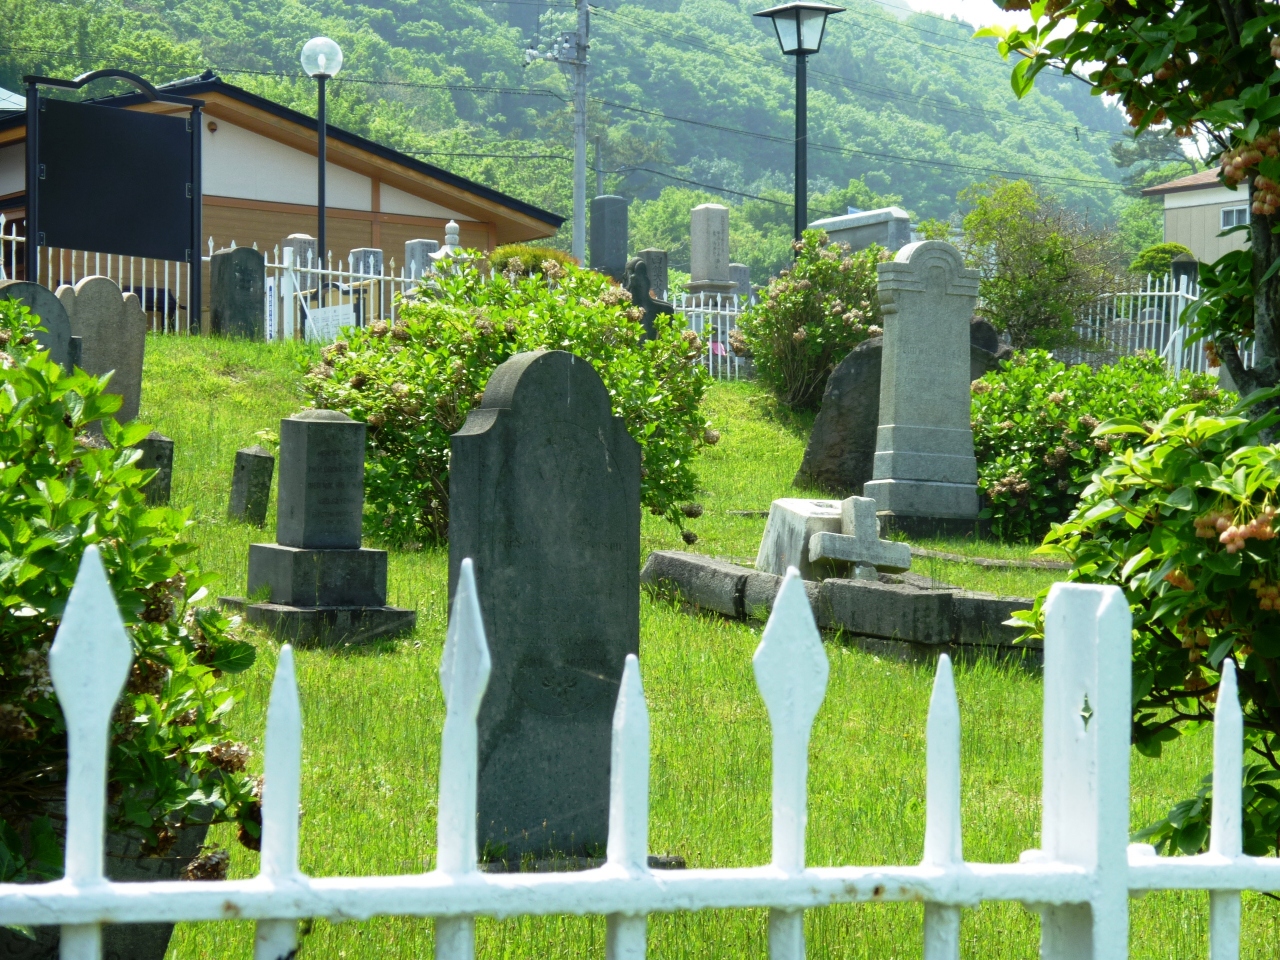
(713, 317)
(1147, 318)
(163, 287)
(1080, 881)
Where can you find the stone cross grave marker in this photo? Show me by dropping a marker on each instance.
(40, 300)
(924, 474)
(113, 333)
(321, 586)
(237, 285)
(544, 497)
(859, 543)
(709, 249)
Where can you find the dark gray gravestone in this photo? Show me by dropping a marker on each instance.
(842, 446)
(638, 284)
(544, 497)
(251, 485)
(237, 282)
(157, 455)
(608, 241)
(320, 500)
(657, 262)
(56, 336)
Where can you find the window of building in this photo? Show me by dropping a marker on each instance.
(1234, 217)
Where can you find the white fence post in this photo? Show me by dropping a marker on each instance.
(1225, 828)
(791, 672)
(628, 847)
(942, 842)
(1087, 721)
(89, 662)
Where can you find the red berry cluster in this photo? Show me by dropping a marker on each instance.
(1240, 163)
(1233, 535)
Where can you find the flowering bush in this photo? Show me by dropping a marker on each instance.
(1033, 422)
(1183, 520)
(810, 317)
(414, 383)
(527, 259)
(171, 760)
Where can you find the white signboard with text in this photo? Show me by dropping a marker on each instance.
(323, 323)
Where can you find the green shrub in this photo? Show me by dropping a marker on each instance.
(1183, 522)
(1157, 259)
(414, 384)
(1033, 422)
(810, 317)
(171, 760)
(530, 257)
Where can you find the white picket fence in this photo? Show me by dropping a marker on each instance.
(713, 316)
(163, 287)
(1080, 881)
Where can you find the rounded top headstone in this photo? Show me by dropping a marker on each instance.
(546, 372)
(40, 300)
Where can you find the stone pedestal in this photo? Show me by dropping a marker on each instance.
(925, 474)
(791, 524)
(316, 584)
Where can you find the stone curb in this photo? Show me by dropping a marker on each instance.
(884, 610)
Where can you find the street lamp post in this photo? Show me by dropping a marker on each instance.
(321, 59)
(800, 27)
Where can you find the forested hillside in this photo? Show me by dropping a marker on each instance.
(687, 94)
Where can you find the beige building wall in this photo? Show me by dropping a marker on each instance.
(1193, 218)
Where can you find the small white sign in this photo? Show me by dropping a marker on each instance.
(323, 323)
(269, 314)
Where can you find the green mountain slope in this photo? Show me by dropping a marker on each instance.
(686, 93)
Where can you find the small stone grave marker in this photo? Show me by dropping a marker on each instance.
(417, 256)
(608, 247)
(237, 287)
(544, 497)
(157, 454)
(320, 585)
(859, 543)
(40, 300)
(113, 333)
(251, 485)
(656, 260)
(792, 522)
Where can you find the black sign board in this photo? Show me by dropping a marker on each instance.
(115, 181)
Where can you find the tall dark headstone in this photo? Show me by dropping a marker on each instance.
(319, 584)
(41, 301)
(157, 455)
(608, 240)
(237, 283)
(656, 260)
(544, 497)
(251, 485)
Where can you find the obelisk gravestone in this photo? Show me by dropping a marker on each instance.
(544, 491)
(925, 476)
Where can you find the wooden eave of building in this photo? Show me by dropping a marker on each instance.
(513, 220)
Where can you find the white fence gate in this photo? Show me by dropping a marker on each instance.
(1080, 881)
(713, 317)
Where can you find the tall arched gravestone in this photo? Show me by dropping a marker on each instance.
(113, 333)
(56, 335)
(544, 497)
(925, 475)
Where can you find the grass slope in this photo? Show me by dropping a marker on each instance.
(372, 724)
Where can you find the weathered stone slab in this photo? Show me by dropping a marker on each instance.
(889, 227)
(792, 521)
(418, 256)
(709, 249)
(251, 485)
(656, 261)
(113, 333)
(324, 626)
(157, 455)
(924, 465)
(320, 498)
(41, 301)
(237, 284)
(706, 583)
(740, 275)
(366, 260)
(544, 497)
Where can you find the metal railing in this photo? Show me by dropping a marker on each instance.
(714, 317)
(163, 287)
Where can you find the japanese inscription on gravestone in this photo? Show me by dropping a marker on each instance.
(321, 494)
(544, 494)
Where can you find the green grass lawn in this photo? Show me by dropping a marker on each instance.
(372, 722)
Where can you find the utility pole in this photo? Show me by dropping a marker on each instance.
(599, 167)
(570, 51)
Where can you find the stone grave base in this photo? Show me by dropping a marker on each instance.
(896, 608)
(324, 626)
(314, 578)
(929, 528)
